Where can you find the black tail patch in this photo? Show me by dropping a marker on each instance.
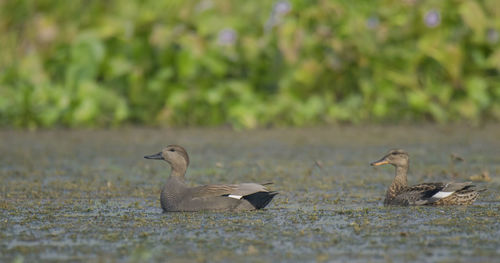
(260, 199)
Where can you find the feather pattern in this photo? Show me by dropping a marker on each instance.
(399, 193)
(243, 189)
(177, 196)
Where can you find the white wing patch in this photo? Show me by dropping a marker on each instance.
(235, 196)
(440, 195)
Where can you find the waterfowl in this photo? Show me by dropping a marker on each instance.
(176, 196)
(399, 193)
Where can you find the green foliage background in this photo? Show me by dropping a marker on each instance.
(247, 63)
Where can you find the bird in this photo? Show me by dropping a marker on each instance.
(433, 194)
(176, 196)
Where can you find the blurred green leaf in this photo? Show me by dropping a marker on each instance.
(247, 64)
(473, 15)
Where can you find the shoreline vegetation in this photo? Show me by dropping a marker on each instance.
(248, 65)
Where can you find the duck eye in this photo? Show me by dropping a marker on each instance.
(394, 153)
(172, 150)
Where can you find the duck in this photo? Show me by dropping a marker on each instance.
(177, 196)
(431, 194)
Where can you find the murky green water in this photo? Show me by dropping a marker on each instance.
(90, 196)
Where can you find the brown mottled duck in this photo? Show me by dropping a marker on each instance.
(399, 193)
(177, 196)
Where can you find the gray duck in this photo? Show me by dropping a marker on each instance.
(399, 193)
(176, 196)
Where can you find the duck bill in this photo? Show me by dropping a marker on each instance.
(157, 156)
(379, 162)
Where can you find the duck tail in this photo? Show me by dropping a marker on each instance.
(260, 200)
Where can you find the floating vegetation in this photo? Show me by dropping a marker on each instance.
(89, 196)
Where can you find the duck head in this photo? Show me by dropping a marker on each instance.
(175, 155)
(396, 157)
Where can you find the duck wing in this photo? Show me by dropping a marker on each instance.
(236, 191)
(255, 195)
(448, 190)
(418, 194)
(429, 193)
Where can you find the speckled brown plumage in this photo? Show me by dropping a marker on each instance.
(461, 197)
(399, 193)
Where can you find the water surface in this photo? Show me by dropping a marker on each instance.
(90, 196)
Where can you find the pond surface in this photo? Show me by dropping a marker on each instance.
(90, 196)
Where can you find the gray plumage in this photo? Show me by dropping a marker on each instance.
(177, 196)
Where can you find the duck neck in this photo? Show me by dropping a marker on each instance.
(400, 182)
(175, 184)
(178, 172)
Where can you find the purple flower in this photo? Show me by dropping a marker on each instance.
(432, 18)
(372, 22)
(282, 7)
(492, 36)
(227, 37)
